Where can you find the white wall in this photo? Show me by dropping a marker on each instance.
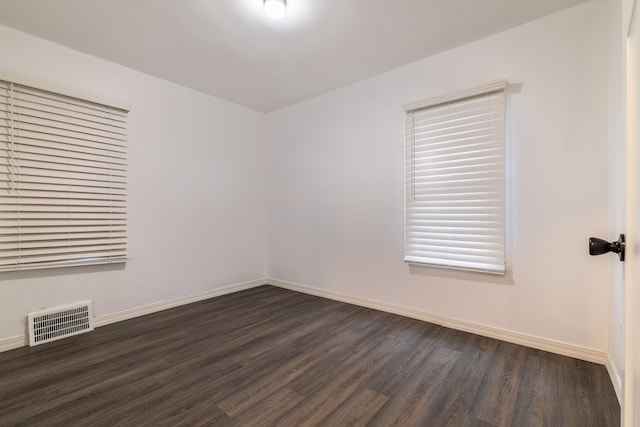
(336, 214)
(333, 193)
(197, 192)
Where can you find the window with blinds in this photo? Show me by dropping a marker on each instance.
(63, 178)
(455, 181)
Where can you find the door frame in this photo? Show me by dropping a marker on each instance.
(631, 64)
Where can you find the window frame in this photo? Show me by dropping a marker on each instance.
(29, 243)
(495, 244)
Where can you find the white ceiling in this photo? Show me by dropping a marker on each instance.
(229, 49)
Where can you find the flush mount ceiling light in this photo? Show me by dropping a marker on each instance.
(275, 8)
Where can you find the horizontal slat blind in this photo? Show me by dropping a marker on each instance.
(455, 183)
(63, 180)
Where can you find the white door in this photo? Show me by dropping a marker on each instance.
(631, 405)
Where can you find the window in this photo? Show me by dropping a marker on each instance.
(455, 181)
(63, 176)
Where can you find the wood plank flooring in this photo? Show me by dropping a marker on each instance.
(274, 357)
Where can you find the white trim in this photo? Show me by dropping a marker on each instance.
(13, 343)
(491, 87)
(615, 378)
(565, 349)
(107, 319)
(628, 9)
(63, 90)
(142, 310)
(553, 346)
(415, 262)
(363, 302)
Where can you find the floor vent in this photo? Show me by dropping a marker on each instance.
(56, 323)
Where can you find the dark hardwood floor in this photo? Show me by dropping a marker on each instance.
(273, 357)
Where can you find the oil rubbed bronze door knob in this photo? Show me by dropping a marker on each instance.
(599, 246)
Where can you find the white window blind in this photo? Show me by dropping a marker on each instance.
(455, 181)
(63, 176)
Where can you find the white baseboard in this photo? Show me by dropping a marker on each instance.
(13, 343)
(615, 378)
(558, 347)
(20, 341)
(142, 310)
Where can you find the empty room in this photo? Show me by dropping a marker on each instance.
(320, 213)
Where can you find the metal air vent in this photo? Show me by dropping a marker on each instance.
(54, 324)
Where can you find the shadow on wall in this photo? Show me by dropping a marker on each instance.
(470, 276)
(61, 271)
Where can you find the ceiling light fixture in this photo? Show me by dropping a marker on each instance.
(275, 8)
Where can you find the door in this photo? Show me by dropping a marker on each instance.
(631, 404)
